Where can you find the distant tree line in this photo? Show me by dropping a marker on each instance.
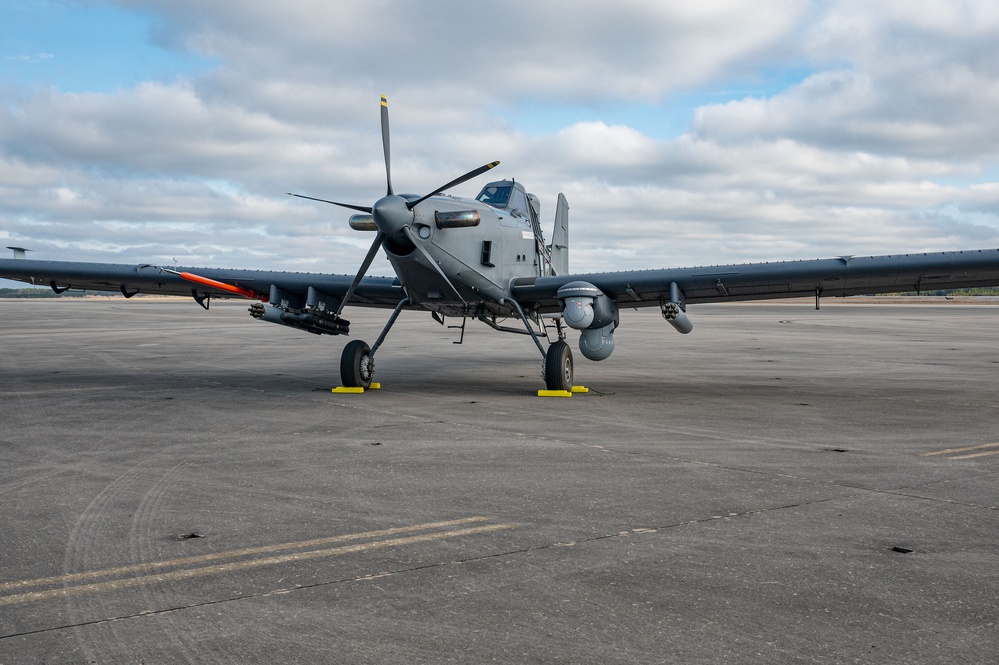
(978, 291)
(30, 292)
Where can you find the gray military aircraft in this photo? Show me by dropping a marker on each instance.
(487, 259)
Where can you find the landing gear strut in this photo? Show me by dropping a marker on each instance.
(558, 366)
(357, 362)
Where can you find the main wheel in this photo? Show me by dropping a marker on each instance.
(356, 365)
(558, 366)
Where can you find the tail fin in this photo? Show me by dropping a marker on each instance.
(560, 237)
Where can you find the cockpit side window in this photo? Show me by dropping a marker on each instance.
(497, 197)
(518, 203)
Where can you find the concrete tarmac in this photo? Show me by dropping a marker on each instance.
(781, 485)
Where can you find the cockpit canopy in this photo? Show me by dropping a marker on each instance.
(498, 194)
(511, 195)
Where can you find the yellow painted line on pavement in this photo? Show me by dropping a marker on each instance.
(233, 566)
(967, 449)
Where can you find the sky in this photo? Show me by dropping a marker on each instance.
(151, 131)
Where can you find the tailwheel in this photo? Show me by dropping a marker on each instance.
(558, 366)
(356, 365)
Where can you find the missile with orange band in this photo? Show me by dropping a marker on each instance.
(215, 284)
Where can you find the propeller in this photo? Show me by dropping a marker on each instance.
(454, 183)
(336, 203)
(386, 148)
(393, 214)
(365, 264)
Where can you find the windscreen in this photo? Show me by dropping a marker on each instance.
(496, 196)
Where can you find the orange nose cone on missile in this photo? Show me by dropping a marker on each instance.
(231, 288)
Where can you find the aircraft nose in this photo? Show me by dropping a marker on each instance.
(391, 215)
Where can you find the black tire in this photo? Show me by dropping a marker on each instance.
(558, 366)
(356, 368)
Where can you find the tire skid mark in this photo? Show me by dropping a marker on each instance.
(376, 540)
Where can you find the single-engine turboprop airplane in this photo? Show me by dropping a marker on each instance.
(486, 258)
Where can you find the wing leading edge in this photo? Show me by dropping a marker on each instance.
(149, 279)
(845, 276)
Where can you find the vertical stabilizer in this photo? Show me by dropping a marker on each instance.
(560, 237)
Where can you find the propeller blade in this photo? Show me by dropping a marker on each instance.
(365, 264)
(385, 147)
(412, 238)
(454, 183)
(336, 203)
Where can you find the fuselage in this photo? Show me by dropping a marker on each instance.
(479, 246)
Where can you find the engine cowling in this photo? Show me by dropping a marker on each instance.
(587, 308)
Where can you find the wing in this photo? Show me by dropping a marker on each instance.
(846, 276)
(213, 282)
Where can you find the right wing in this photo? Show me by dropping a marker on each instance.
(846, 276)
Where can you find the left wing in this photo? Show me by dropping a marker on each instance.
(845, 276)
(275, 287)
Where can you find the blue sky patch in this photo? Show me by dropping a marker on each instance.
(86, 48)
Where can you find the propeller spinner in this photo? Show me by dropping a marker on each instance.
(392, 214)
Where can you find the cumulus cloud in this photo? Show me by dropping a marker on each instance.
(580, 49)
(900, 80)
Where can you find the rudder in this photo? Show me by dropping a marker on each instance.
(560, 237)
